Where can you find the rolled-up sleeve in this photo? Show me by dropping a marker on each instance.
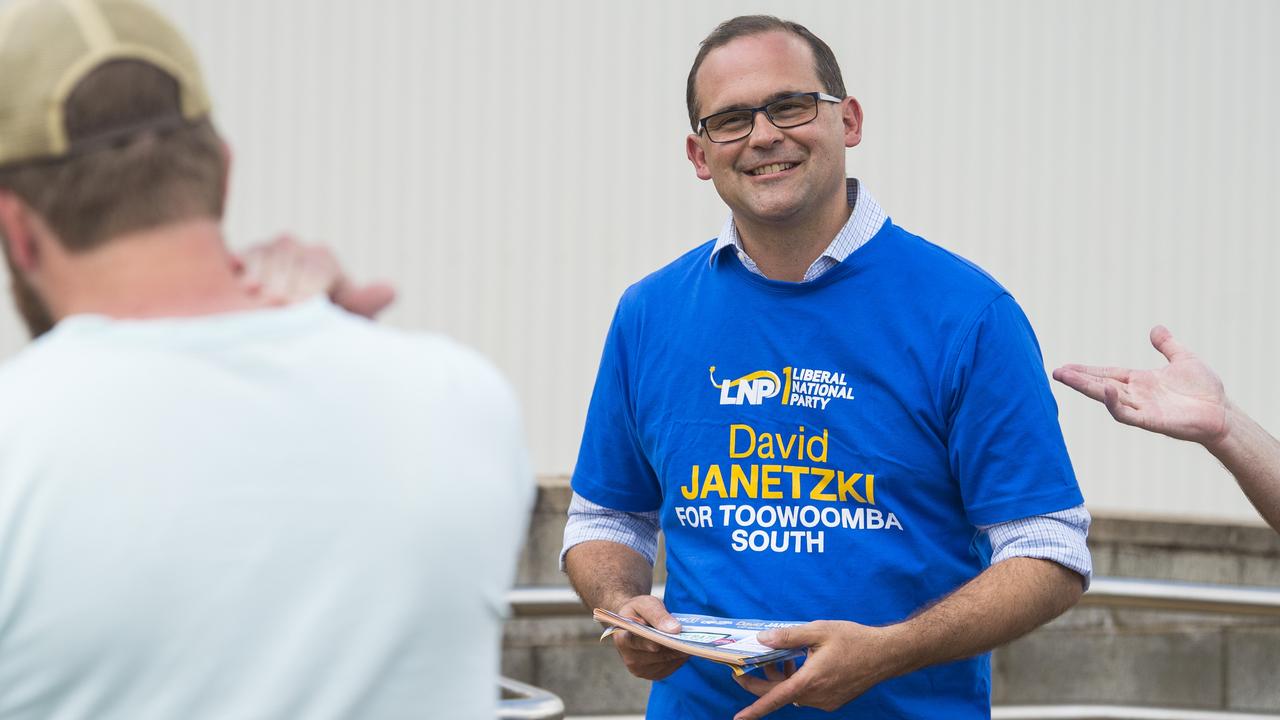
(589, 521)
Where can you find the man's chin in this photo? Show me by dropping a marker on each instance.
(774, 199)
(775, 210)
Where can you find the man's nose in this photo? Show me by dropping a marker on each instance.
(763, 132)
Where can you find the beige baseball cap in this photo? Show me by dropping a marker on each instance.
(48, 46)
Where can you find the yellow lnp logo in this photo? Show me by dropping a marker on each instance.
(752, 388)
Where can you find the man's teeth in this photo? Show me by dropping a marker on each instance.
(776, 167)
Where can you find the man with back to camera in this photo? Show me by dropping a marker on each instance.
(211, 507)
(829, 418)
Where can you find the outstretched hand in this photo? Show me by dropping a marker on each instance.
(1184, 399)
(283, 271)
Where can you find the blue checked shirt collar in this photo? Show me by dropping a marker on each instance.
(863, 223)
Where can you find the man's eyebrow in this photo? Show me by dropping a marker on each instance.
(772, 98)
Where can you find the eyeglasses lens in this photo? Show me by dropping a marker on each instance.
(785, 113)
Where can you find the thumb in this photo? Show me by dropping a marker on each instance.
(655, 614)
(790, 637)
(1162, 340)
(366, 301)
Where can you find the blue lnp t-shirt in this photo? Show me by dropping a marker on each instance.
(824, 450)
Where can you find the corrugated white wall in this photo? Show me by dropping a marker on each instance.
(513, 166)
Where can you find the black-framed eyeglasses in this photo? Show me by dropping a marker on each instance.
(788, 112)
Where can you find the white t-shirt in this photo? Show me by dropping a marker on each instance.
(288, 513)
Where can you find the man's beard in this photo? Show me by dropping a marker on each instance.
(35, 313)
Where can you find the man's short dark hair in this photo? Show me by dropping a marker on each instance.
(824, 61)
(166, 173)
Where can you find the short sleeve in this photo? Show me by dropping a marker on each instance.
(1004, 444)
(612, 468)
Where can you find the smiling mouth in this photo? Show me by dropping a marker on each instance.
(771, 169)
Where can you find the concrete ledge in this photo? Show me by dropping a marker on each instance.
(1115, 712)
(1186, 534)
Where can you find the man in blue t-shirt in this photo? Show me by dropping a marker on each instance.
(830, 419)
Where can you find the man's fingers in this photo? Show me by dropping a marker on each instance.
(654, 669)
(1123, 410)
(365, 301)
(1100, 371)
(278, 269)
(1162, 340)
(781, 694)
(1111, 398)
(1112, 393)
(1084, 384)
(772, 672)
(284, 269)
(630, 642)
(249, 267)
(645, 659)
(758, 686)
(1121, 407)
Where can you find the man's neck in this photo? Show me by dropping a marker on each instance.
(784, 251)
(178, 270)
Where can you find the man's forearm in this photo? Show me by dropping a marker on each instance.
(1006, 601)
(607, 574)
(845, 659)
(1252, 455)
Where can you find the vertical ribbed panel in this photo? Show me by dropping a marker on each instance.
(513, 166)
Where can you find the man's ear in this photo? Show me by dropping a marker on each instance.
(697, 156)
(16, 227)
(851, 117)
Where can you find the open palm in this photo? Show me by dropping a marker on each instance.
(1184, 399)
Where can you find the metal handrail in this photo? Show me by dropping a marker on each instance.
(1077, 712)
(556, 601)
(1181, 596)
(1115, 712)
(548, 601)
(526, 702)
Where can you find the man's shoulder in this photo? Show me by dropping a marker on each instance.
(340, 332)
(674, 274)
(416, 353)
(946, 271)
(49, 356)
(311, 342)
(365, 337)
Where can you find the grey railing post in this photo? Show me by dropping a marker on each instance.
(526, 702)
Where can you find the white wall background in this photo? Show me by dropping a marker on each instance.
(1113, 163)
